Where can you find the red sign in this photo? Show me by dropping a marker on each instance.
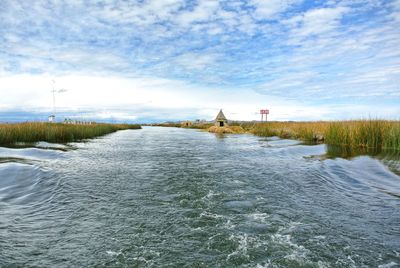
(264, 111)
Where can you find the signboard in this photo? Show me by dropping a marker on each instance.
(262, 112)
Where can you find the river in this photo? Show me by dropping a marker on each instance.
(170, 197)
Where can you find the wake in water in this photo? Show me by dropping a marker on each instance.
(194, 199)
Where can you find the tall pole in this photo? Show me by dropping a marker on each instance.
(54, 98)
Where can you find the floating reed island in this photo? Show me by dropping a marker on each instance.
(56, 132)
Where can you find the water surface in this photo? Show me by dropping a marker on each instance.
(169, 197)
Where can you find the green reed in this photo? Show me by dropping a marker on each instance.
(379, 134)
(55, 132)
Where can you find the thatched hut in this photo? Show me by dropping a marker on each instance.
(220, 120)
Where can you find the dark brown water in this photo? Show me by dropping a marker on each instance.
(166, 197)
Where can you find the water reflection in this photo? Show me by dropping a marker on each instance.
(390, 158)
(348, 152)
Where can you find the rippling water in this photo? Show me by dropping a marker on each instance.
(166, 197)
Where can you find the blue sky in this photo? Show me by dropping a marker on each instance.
(161, 60)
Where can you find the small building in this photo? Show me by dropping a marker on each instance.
(220, 120)
(52, 118)
(186, 124)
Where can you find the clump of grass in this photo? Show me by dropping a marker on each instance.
(379, 134)
(227, 129)
(306, 131)
(50, 132)
(391, 138)
(264, 130)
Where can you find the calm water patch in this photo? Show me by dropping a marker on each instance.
(169, 197)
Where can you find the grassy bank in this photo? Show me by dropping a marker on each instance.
(354, 134)
(379, 134)
(61, 133)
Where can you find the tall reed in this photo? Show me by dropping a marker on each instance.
(380, 134)
(50, 132)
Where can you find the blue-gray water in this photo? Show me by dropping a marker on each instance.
(168, 197)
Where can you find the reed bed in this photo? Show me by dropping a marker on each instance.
(378, 134)
(55, 132)
(306, 131)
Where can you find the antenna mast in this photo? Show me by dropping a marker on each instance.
(54, 97)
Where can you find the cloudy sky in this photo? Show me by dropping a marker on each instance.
(156, 60)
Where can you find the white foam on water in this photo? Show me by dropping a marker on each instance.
(286, 240)
(292, 226)
(210, 195)
(388, 265)
(47, 145)
(340, 262)
(210, 215)
(112, 253)
(351, 259)
(322, 264)
(268, 264)
(229, 225)
(296, 252)
(260, 217)
(241, 250)
(141, 259)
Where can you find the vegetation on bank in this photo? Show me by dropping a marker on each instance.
(306, 131)
(377, 134)
(55, 132)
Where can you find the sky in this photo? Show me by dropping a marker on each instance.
(169, 60)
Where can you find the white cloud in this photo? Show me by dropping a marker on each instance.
(203, 11)
(195, 61)
(316, 21)
(271, 9)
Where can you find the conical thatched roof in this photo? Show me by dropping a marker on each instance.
(220, 116)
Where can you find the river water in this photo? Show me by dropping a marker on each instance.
(169, 197)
